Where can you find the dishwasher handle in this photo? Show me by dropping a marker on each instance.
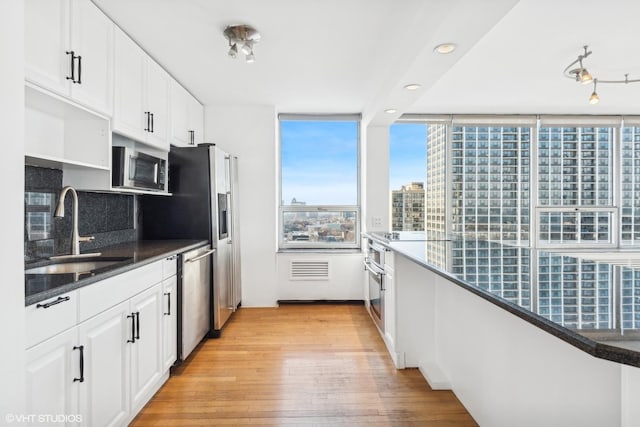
(199, 257)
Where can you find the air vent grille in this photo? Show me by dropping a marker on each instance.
(309, 270)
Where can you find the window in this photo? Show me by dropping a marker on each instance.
(319, 181)
(407, 164)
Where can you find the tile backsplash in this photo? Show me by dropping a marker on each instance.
(109, 217)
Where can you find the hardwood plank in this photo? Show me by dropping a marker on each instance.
(322, 365)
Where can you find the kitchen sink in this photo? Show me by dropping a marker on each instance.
(79, 266)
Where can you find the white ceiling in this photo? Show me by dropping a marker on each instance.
(332, 56)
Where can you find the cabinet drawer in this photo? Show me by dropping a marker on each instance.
(49, 317)
(102, 295)
(169, 266)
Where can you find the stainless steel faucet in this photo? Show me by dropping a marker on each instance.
(59, 212)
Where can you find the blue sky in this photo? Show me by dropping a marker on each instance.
(319, 160)
(407, 154)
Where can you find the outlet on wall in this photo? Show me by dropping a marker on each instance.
(376, 221)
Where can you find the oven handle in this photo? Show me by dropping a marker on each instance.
(367, 266)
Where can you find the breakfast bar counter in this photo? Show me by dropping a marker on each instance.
(523, 336)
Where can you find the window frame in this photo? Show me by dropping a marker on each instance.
(283, 209)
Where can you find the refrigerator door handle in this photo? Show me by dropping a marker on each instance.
(199, 257)
(229, 219)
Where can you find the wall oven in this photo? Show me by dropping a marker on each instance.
(136, 170)
(374, 265)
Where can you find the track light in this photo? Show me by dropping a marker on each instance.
(581, 75)
(233, 51)
(244, 36)
(594, 98)
(585, 77)
(247, 48)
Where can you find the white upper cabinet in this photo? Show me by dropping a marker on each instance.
(157, 97)
(196, 120)
(141, 95)
(187, 117)
(128, 117)
(69, 51)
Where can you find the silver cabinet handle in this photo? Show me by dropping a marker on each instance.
(199, 257)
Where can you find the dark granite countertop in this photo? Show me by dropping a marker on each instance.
(588, 298)
(126, 256)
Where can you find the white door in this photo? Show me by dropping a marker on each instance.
(46, 41)
(92, 40)
(129, 116)
(179, 115)
(53, 376)
(146, 352)
(157, 95)
(170, 322)
(104, 400)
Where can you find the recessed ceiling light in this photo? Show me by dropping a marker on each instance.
(445, 48)
(413, 86)
(390, 110)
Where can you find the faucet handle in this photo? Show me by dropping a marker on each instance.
(86, 238)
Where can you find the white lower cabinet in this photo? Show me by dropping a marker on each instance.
(146, 351)
(103, 370)
(52, 370)
(170, 322)
(104, 394)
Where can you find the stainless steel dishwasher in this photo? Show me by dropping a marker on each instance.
(194, 299)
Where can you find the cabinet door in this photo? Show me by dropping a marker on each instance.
(104, 400)
(146, 364)
(179, 115)
(196, 120)
(92, 40)
(169, 323)
(389, 306)
(46, 39)
(157, 96)
(128, 114)
(52, 367)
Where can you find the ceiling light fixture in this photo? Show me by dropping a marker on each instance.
(390, 111)
(445, 48)
(413, 86)
(594, 98)
(581, 75)
(244, 36)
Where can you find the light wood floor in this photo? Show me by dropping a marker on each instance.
(323, 365)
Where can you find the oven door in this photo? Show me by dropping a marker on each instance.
(376, 293)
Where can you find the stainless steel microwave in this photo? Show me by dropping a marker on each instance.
(136, 170)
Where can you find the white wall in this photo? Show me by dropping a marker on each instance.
(376, 179)
(250, 133)
(12, 321)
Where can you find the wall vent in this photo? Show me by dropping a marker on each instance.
(309, 270)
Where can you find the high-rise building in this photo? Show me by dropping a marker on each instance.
(436, 196)
(488, 168)
(407, 207)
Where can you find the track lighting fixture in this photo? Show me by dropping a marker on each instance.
(244, 36)
(581, 75)
(594, 98)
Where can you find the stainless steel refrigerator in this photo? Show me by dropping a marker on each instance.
(204, 182)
